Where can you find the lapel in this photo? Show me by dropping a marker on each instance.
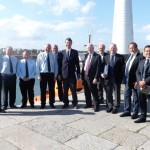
(93, 57)
(116, 59)
(142, 66)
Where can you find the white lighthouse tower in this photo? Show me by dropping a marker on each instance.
(122, 25)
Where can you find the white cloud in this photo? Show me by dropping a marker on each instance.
(38, 2)
(19, 29)
(87, 7)
(59, 6)
(2, 7)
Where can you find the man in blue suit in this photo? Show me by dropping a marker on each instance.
(143, 80)
(69, 68)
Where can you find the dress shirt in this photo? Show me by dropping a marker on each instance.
(131, 61)
(21, 68)
(87, 60)
(5, 68)
(41, 63)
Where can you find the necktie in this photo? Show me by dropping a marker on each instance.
(88, 65)
(27, 72)
(112, 61)
(127, 65)
(145, 68)
(48, 63)
(68, 54)
(11, 66)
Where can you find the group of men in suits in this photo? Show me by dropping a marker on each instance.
(100, 71)
(108, 71)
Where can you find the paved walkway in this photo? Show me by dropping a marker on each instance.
(70, 129)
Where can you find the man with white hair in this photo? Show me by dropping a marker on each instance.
(90, 75)
(114, 63)
(100, 85)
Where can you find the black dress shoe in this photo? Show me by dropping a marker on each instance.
(32, 106)
(2, 111)
(4, 108)
(114, 111)
(109, 109)
(23, 106)
(125, 114)
(42, 107)
(65, 106)
(13, 107)
(87, 106)
(75, 107)
(96, 109)
(140, 120)
(134, 116)
(52, 106)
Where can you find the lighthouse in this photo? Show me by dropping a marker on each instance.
(122, 33)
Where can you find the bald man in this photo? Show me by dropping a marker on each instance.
(90, 75)
(102, 53)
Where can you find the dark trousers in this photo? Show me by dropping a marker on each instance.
(70, 83)
(127, 100)
(60, 89)
(143, 104)
(27, 88)
(9, 87)
(47, 78)
(0, 88)
(110, 86)
(89, 88)
(100, 87)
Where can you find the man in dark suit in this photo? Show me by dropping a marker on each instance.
(90, 75)
(59, 82)
(130, 78)
(143, 80)
(69, 67)
(115, 63)
(100, 85)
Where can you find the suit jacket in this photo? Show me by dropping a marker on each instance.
(103, 62)
(117, 70)
(132, 72)
(68, 66)
(94, 70)
(140, 70)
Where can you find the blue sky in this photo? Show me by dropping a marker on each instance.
(32, 23)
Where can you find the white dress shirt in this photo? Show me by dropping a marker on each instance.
(41, 63)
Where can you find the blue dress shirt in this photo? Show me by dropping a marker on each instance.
(21, 68)
(5, 66)
(41, 63)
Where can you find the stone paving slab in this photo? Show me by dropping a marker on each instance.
(53, 130)
(122, 122)
(6, 121)
(90, 142)
(145, 131)
(4, 145)
(125, 137)
(26, 139)
(91, 127)
(123, 148)
(145, 146)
